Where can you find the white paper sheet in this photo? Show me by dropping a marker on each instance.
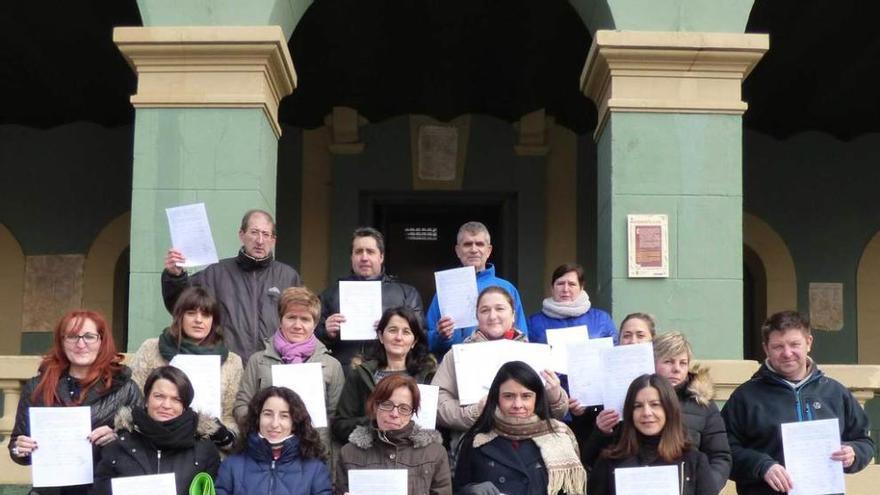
(586, 375)
(64, 454)
(377, 482)
(191, 234)
(361, 304)
(559, 339)
(203, 372)
(457, 295)
(656, 480)
(622, 365)
(477, 363)
(807, 447)
(151, 484)
(427, 416)
(307, 381)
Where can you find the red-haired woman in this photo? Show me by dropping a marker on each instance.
(81, 369)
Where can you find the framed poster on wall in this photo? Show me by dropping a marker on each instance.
(648, 243)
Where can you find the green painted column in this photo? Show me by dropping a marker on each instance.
(670, 142)
(210, 77)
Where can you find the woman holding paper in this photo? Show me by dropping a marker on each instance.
(195, 329)
(294, 343)
(515, 447)
(393, 441)
(495, 314)
(282, 455)
(401, 348)
(653, 435)
(82, 368)
(166, 436)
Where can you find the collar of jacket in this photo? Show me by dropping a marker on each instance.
(699, 386)
(261, 450)
(768, 375)
(124, 421)
(249, 263)
(363, 436)
(488, 272)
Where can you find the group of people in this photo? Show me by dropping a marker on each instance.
(525, 436)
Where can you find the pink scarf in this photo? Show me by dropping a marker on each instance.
(292, 353)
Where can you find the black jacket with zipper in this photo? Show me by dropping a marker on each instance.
(694, 475)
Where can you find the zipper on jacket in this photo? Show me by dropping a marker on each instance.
(681, 478)
(272, 478)
(158, 461)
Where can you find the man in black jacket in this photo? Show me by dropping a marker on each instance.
(247, 287)
(367, 263)
(788, 387)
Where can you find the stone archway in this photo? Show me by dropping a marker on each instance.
(867, 294)
(99, 272)
(778, 264)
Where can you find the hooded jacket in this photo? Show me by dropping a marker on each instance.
(255, 471)
(359, 384)
(758, 407)
(248, 291)
(394, 294)
(133, 454)
(258, 375)
(419, 451)
(486, 278)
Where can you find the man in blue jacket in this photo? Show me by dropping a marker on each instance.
(473, 247)
(788, 387)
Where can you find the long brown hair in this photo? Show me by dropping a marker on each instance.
(673, 438)
(107, 363)
(310, 446)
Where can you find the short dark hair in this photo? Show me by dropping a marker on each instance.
(370, 232)
(310, 446)
(387, 386)
(523, 374)
(177, 377)
(785, 320)
(247, 218)
(418, 357)
(196, 298)
(565, 268)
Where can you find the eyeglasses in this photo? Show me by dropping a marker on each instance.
(403, 409)
(256, 234)
(88, 338)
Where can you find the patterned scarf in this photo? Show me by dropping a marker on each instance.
(293, 353)
(579, 306)
(556, 443)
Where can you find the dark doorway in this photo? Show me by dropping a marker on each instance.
(120, 300)
(420, 232)
(754, 304)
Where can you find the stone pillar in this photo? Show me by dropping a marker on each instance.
(206, 130)
(669, 141)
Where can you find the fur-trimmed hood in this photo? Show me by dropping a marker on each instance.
(363, 436)
(125, 421)
(700, 385)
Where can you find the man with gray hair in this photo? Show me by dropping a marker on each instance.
(247, 286)
(473, 247)
(367, 263)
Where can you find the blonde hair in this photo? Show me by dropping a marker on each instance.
(671, 344)
(301, 296)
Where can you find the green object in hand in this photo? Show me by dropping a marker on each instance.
(202, 484)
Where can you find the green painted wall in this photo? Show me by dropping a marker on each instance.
(285, 13)
(689, 168)
(820, 195)
(491, 165)
(223, 157)
(728, 16)
(61, 186)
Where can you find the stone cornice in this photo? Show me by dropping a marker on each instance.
(669, 72)
(209, 67)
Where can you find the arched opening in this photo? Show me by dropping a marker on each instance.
(754, 304)
(867, 295)
(105, 276)
(11, 292)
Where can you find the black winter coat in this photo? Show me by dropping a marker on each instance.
(694, 475)
(248, 292)
(514, 471)
(132, 454)
(394, 294)
(758, 407)
(104, 404)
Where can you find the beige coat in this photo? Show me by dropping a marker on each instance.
(258, 375)
(147, 358)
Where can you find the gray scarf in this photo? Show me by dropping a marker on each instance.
(579, 306)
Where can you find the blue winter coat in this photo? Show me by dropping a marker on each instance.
(255, 472)
(599, 324)
(486, 278)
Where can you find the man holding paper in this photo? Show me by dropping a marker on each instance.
(247, 287)
(367, 264)
(788, 388)
(473, 247)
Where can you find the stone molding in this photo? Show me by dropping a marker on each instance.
(669, 72)
(209, 67)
